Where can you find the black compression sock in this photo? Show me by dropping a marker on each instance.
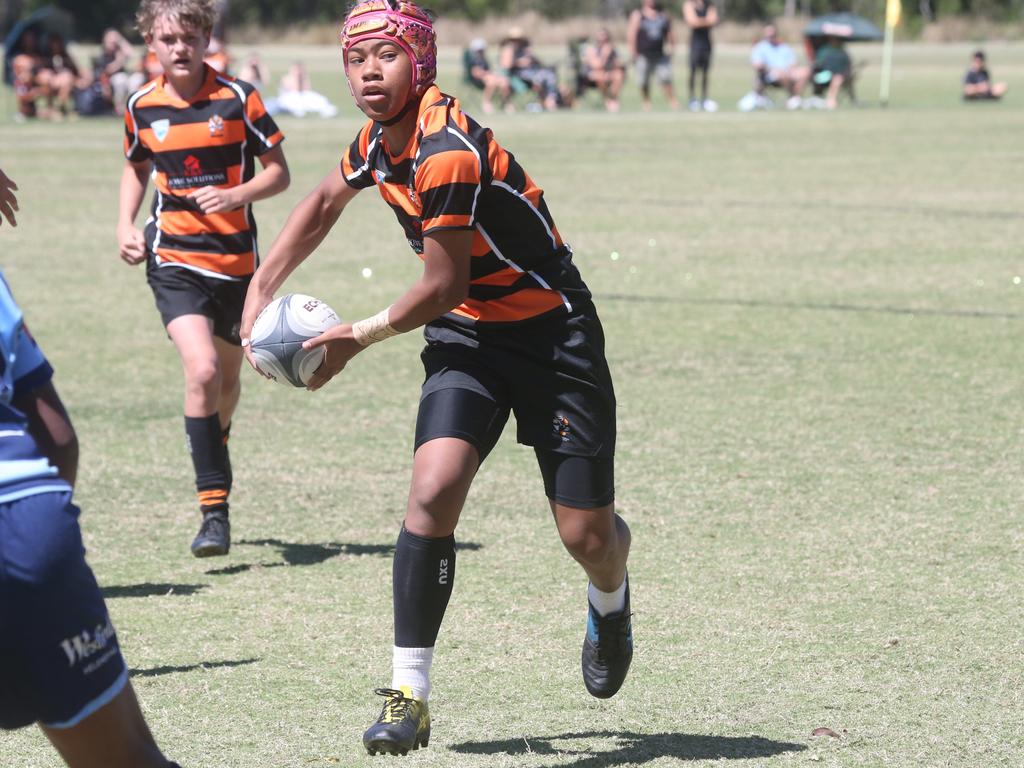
(422, 578)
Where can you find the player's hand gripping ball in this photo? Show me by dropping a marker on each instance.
(279, 331)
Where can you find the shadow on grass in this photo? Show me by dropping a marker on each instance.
(633, 748)
(204, 665)
(152, 590)
(815, 306)
(314, 554)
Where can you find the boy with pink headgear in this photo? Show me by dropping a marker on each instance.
(510, 327)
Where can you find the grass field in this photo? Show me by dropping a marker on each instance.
(814, 320)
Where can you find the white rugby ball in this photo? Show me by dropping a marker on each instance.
(279, 331)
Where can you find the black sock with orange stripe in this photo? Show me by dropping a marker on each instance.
(209, 458)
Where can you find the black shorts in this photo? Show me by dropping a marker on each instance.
(552, 374)
(181, 291)
(700, 56)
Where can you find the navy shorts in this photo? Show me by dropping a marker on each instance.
(181, 291)
(552, 374)
(59, 656)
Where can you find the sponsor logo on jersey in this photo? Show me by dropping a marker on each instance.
(161, 128)
(195, 176)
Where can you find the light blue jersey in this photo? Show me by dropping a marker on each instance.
(24, 470)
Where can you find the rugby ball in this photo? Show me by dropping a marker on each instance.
(279, 331)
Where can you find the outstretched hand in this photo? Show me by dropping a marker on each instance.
(339, 347)
(8, 202)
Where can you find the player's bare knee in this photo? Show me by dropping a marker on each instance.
(432, 495)
(588, 545)
(203, 376)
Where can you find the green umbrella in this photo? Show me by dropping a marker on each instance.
(845, 26)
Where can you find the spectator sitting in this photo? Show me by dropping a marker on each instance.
(519, 63)
(832, 69)
(977, 84)
(110, 70)
(479, 74)
(255, 72)
(603, 70)
(26, 64)
(60, 77)
(775, 65)
(296, 97)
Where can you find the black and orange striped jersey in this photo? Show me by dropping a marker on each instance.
(211, 140)
(454, 175)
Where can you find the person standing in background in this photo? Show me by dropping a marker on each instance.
(651, 40)
(700, 16)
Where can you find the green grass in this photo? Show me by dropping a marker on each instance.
(814, 322)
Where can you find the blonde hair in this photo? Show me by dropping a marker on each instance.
(197, 14)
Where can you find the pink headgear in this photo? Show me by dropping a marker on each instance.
(402, 22)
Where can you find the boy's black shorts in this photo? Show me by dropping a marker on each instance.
(552, 374)
(181, 291)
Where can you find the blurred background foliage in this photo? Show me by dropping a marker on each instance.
(92, 16)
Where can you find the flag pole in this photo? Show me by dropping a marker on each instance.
(893, 10)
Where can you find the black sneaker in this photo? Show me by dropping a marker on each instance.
(607, 650)
(214, 537)
(404, 724)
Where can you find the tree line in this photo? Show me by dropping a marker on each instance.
(92, 17)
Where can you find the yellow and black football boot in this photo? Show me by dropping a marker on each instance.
(403, 725)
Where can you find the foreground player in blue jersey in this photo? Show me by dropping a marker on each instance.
(60, 664)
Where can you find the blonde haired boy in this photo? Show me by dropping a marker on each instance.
(197, 134)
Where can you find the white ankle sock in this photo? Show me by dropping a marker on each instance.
(607, 602)
(410, 667)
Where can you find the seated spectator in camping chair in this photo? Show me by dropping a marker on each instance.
(525, 71)
(833, 72)
(478, 73)
(775, 66)
(978, 86)
(601, 69)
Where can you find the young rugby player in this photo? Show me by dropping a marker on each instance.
(510, 326)
(198, 133)
(60, 662)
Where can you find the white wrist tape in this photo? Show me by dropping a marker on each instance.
(374, 329)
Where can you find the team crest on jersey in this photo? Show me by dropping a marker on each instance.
(161, 128)
(216, 125)
(381, 176)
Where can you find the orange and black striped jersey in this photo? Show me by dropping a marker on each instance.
(211, 140)
(454, 175)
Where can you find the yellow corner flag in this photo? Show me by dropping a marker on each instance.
(893, 11)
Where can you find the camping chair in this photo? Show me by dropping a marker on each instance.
(820, 80)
